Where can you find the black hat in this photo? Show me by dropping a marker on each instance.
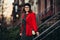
(27, 4)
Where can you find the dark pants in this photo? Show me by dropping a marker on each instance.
(27, 38)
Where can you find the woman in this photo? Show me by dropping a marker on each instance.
(29, 25)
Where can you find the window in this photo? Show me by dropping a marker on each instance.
(48, 5)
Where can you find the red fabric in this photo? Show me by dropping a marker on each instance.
(30, 24)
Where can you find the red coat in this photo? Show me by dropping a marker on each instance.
(30, 24)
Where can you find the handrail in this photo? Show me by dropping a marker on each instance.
(50, 32)
(47, 20)
(46, 30)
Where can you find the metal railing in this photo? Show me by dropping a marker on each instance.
(47, 20)
(50, 32)
(48, 29)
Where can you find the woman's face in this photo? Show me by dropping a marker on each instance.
(26, 8)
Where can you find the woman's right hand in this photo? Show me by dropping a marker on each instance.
(37, 33)
(20, 34)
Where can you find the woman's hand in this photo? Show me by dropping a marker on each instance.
(20, 34)
(33, 32)
(37, 33)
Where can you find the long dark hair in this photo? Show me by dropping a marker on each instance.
(27, 4)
